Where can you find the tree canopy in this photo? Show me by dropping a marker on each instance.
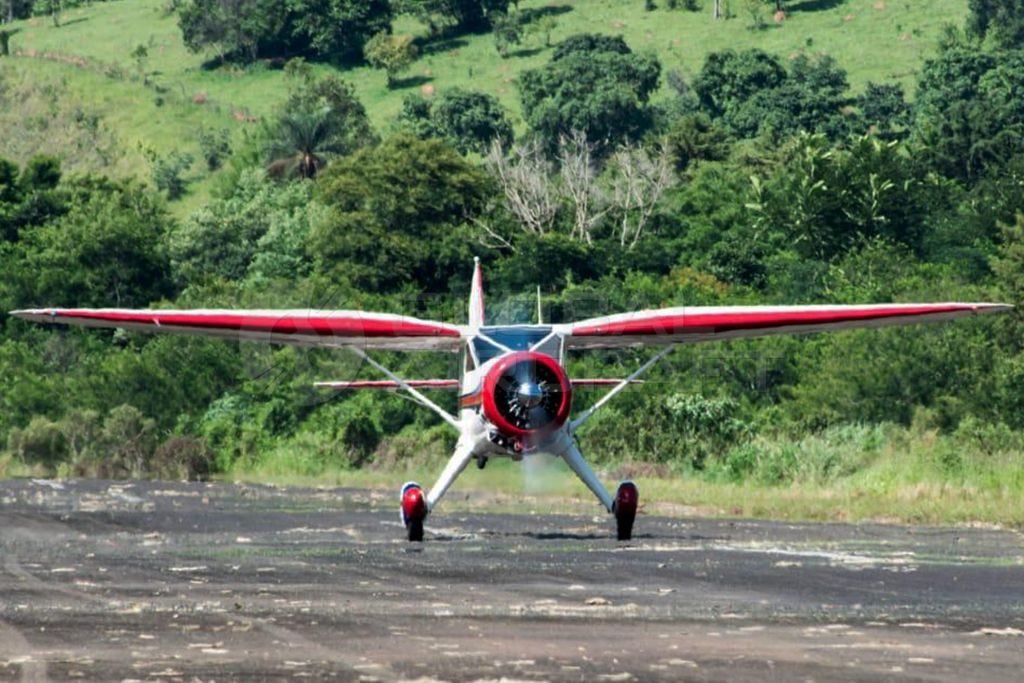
(245, 30)
(592, 84)
(470, 121)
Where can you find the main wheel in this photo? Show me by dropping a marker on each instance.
(414, 530)
(414, 511)
(627, 498)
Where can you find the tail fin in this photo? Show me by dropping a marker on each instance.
(476, 296)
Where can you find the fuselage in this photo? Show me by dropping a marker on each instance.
(515, 396)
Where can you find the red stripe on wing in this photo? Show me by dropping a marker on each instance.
(706, 323)
(355, 325)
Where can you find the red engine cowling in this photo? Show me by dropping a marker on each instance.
(527, 393)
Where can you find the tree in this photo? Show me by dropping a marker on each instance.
(215, 144)
(247, 29)
(750, 92)
(394, 54)
(885, 110)
(460, 15)
(52, 7)
(260, 230)
(11, 10)
(526, 177)
(729, 78)
(693, 139)
(970, 112)
(1000, 21)
(590, 85)
(639, 179)
(302, 142)
(382, 239)
(508, 31)
(821, 201)
(139, 55)
(321, 119)
(168, 173)
(469, 120)
(130, 441)
(337, 30)
(30, 197)
(236, 29)
(106, 249)
(538, 192)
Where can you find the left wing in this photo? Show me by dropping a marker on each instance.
(692, 324)
(297, 327)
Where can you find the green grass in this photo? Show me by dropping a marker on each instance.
(874, 40)
(887, 473)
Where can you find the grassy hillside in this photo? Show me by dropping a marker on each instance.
(88, 60)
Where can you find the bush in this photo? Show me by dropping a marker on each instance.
(709, 425)
(40, 443)
(215, 145)
(182, 457)
(814, 459)
(128, 442)
(361, 435)
(168, 171)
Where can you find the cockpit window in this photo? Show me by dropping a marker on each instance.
(515, 338)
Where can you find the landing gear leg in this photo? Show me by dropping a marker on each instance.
(627, 496)
(416, 504)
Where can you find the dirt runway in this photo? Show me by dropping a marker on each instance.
(146, 581)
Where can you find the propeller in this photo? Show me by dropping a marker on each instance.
(529, 393)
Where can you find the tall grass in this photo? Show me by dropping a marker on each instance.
(849, 473)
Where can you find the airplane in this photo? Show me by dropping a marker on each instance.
(515, 397)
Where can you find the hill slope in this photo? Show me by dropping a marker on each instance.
(160, 101)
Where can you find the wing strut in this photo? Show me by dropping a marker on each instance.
(589, 412)
(418, 395)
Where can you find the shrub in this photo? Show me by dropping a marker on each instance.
(168, 171)
(361, 435)
(41, 442)
(128, 440)
(182, 457)
(215, 145)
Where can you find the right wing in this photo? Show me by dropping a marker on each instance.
(297, 327)
(699, 324)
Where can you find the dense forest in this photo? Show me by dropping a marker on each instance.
(762, 178)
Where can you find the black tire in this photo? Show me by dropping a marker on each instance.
(414, 527)
(624, 525)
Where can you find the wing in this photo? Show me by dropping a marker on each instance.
(698, 324)
(299, 327)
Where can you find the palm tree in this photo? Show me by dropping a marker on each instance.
(302, 142)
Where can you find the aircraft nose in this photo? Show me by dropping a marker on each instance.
(529, 394)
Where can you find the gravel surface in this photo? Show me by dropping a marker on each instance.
(155, 581)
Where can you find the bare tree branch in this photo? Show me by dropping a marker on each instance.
(579, 182)
(526, 180)
(638, 182)
(491, 238)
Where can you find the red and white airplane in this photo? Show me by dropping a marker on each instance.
(515, 398)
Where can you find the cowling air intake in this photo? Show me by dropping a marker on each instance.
(527, 393)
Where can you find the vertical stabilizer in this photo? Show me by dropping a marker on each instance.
(476, 296)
